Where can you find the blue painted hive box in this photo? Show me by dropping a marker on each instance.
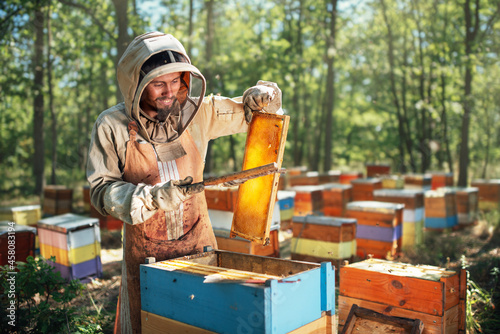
(228, 292)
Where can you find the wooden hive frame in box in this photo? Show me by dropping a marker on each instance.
(265, 144)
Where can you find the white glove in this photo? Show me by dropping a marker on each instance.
(170, 195)
(264, 95)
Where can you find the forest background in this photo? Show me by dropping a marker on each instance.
(410, 83)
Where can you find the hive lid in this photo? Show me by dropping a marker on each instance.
(398, 192)
(403, 269)
(8, 226)
(265, 144)
(324, 220)
(20, 208)
(67, 222)
(374, 206)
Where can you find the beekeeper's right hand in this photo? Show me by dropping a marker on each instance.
(170, 195)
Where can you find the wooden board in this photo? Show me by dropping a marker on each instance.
(265, 144)
(362, 320)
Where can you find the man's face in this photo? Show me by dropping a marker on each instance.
(160, 94)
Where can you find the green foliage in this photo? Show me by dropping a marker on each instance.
(43, 301)
(481, 313)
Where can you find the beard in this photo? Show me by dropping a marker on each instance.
(173, 109)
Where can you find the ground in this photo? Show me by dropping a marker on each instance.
(477, 247)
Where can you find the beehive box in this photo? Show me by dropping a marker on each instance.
(308, 200)
(21, 215)
(377, 170)
(221, 198)
(362, 189)
(320, 238)
(258, 295)
(392, 182)
(489, 193)
(347, 177)
(57, 200)
(335, 199)
(17, 242)
(439, 180)
(306, 179)
(467, 204)
(417, 181)
(436, 296)
(221, 223)
(332, 176)
(75, 242)
(440, 209)
(413, 212)
(379, 229)
(286, 201)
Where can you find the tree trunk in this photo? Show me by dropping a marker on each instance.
(38, 103)
(209, 166)
(121, 9)
(51, 100)
(390, 54)
(330, 86)
(470, 35)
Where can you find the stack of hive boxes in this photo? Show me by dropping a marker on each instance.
(320, 238)
(17, 242)
(439, 180)
(75, 242)
(308, 200)
(436, 296)
(417, 181)
(467, 204)
(362, 189)
(440, 209)
(332, 176)
(489, 194)
(259, 295)
(25, 215)
(413, 213)
(57, 200)
(305, 179)
(286, 204)
(221, 204)
(335, 199)
(377, 170)
(379, 228)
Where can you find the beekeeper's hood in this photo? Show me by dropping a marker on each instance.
(132, 81)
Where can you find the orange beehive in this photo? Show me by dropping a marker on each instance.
(332, 176)
(362, 189)
(57, 200)
(335, 199)
(439, 180)
(221, 198)
(265, 144)
(417, 181)
(467, 204)
(376, 170)
(436, 296)
(489, 193)
(347, 177)
(308, 200)
(307, 179)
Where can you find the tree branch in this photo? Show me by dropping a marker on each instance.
(91, 14)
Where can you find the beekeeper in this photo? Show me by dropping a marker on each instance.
(147, 153)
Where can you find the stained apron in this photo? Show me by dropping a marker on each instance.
(151, 239)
